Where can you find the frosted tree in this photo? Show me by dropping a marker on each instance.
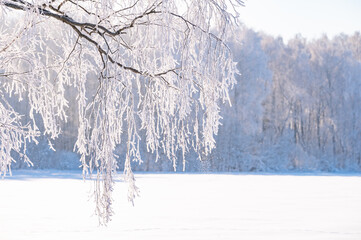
(162, 67)
(242, 122)
(311, 114)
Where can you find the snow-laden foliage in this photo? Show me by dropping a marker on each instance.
(13, 137)
(161, 67)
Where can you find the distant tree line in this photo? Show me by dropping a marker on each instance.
(296, 106)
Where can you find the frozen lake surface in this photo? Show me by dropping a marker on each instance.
(52, 205)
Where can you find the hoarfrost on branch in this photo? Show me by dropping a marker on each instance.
(162, 67)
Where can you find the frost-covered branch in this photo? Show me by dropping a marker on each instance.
(161, 67)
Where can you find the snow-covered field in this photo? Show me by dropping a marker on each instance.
(55, 205)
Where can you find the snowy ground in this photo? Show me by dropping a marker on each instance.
(55, 205)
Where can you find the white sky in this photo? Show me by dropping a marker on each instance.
(311, 18)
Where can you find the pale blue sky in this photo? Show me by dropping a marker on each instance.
(311, 18)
